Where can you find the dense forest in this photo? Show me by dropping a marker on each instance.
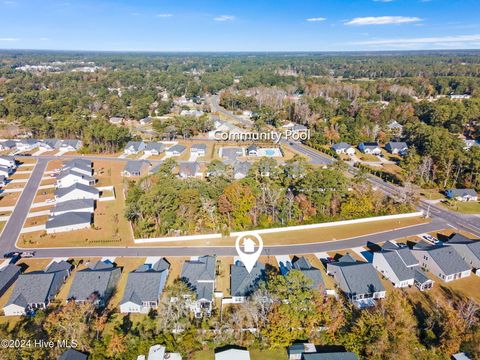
(404, 326)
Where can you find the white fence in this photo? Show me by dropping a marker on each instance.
(277, 230)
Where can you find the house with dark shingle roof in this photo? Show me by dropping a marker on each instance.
(154, 148)
(72, 354)
(398, 265)
(68, 221)
(175, 150)
(252, 150)
(442, 261)
(358, 280)
(330, 356)
(397, 147)
(462, 194)
(467, 248)
(35, 290)
(8, 275)
(244, 283)
(370, 148)
(315, 275)
(200, 275)
(8, 145)
(144, 288)
(95, 283)
(135, 168)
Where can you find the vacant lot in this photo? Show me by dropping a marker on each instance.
(9, 199)
(255, 354)
(470, 207)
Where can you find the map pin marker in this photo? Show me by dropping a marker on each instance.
(245, 246)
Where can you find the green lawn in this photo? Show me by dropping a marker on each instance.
(255, 354)
(432, 194)
(471, 207)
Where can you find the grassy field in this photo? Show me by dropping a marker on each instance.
(431, 194)
(470, 207)
(309, 235)
(255, 354)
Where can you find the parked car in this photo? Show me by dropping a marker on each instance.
(27, 254)
(11, 254)
(430, 239)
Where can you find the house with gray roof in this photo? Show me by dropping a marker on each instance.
(71, 145)
(8, 275)
(252, 150)
(397, 147)
(395, 127)
(370, 148)
(315, 275)
(27, 144)
(35, 290)
(467, 248)
(78, 205)
(69, 177)
(8, 161)
(189, 170)
(199, 275)
(50, 144)
(241, 169)
(75, 192)
(82, 166)
(68, 221)
(330, 356)
(442, 261)
(134, 168)
(397, 264)
(358, 280)
(462, 194)
(343, 148)
(95, 283)
(5, 171)
(8, 145)
(231, 153)
(244, 283)
(146, 120)
(232, 353)
(198, 149)
(144, 287)
(175, 150)
(154, 148)
(72, 354)
(134, 147)
(115, 120)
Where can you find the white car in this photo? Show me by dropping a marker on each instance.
(430, 239)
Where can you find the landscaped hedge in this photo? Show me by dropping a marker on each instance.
(384, 175)
(324, 150)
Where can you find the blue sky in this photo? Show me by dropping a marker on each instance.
(238, 25)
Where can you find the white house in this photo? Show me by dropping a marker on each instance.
(397, 147)
(154, 148)
(71, 145)
(134, 147)
(175, 150)
(370, 148)
(8, 161)
(75, 192)
(462, 194)
(50, 144)
(233, 354)
(68, 221)
(442, 261)
(81, 166)
(5, 171)
(80, 205)
(27, 145)
(198, 149)
(343, 148)
(70, 177)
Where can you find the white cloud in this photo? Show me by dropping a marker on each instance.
(9, 39)
(382, 20)
(316, 19)
(164, 15)
(423, 41)
(224, 18)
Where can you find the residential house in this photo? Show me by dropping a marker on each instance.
(82, 166)
(3, 181)
(72, 354)
(68, 221)
(146, 120)
(397, 147)
(398, 265)
(69, 177)
(240, 169)
(134, 147)
(8, 275)
(5, 171)
(95, 283)
(231, 153)
(35, 290)
(144, 288)
(244, 283)
(27, 145)
(153, 148)
(462, 194)
(296, 350)
(441, 261)
(198, 149)
(176, 150)
(157, 352)
(232, 353)
(343, 148)
(71, 145)
(252, 150)
(50, 144)
(330, 356)
(191, 112)
(371, 148)
(199, 275)
(308, 351)
(136, 168)
(75, 192)
(314, 274)
(116, 120)
(395, 127)
(8, 145)
(189, 169)
(468, 249)
(358, 280)
(469, 143)
(8, 161)
(223, 127)
(78, 205)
